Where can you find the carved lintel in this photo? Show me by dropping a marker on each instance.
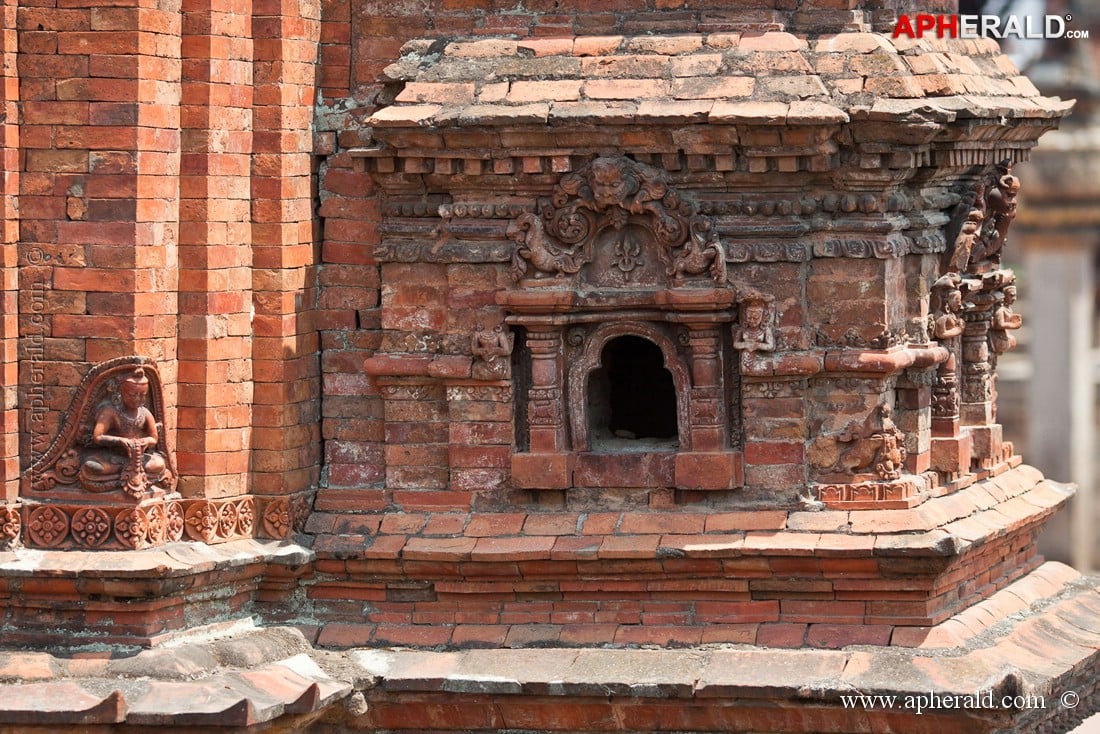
(625, 224)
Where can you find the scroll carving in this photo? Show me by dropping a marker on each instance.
(617, 214)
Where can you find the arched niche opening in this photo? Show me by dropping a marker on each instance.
(631, 398)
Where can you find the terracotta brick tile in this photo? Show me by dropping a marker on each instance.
(781, 634)
(858, 42)
(696, 65)
(766, 113)
(662, 522)
(438, 549)
(629, 546)
(721, 87)
(787, 543)
(402, 523)
(741, 612)
(826, 521)
(532, 635)
(658, 635)
(487, 48)
(513, 549)
(29, 666)
(702, 546)
(344, 635)
(794, 86)
(601, 112)
(835, 636)
(625, 89)
(412, 635)
(572, 547)
(600, 523)
(669, 45)
(596, 45)
(497, 523)
(771, 41)
(546, 46)
(723, 522)
(551, 523)
(563, 90)
(445, 524)
(587, 634)
(687, 111)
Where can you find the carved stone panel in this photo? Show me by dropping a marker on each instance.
(111, 441)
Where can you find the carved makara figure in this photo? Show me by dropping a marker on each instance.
(702, 253)
(536, 253)
(492, 351)
(875, 444)
(1004, 322)
(111, 437)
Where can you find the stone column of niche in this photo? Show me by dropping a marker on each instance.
(707, 463)
(548, 462)
(976, 409)
(951, 446)
(9, 278)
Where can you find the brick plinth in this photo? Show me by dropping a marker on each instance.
(820, 579)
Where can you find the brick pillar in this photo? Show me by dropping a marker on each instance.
(215, 352)
(99, 91)
(286, 414)
(9, 274)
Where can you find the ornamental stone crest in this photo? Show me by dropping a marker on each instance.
(618, 223)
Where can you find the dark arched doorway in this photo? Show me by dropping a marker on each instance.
(631, 395)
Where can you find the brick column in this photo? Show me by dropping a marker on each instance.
(9, 274)
(215, 352)
(286, 414)
(99, 90)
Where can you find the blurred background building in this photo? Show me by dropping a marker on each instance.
(1048, 388)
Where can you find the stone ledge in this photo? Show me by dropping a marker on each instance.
(246, 677)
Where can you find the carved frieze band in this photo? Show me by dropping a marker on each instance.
(151, 523)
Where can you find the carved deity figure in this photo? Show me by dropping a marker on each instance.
(754, 333)
(947, 326)
(968, 236)
(491, 352)
(1000, 207)
(1004, 321)
(875, 444)
(703, 253)
(125, 432)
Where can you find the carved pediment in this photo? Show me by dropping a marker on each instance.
(618, 223)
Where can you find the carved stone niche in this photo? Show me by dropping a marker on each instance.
(622, 300)
(107, 480)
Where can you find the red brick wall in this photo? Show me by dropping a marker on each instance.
(215, 256)
(9, 273)
(166, 196)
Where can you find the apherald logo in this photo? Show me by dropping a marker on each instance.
(986, 26)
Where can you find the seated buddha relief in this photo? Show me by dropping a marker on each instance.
(111, 438)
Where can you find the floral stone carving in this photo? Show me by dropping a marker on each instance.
(111, 438)
(625, 220)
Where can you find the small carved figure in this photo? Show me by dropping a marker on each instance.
(1000, 207)
(947, 326)
(127, 431)
(968, 236)
(534, 248)
(755, 333)
(875, 444)
(1004, 321)
(491, 352)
